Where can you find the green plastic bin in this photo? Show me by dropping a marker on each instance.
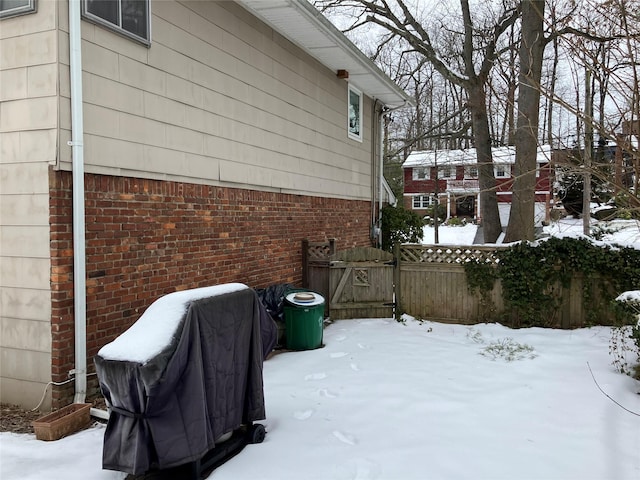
(303, 317)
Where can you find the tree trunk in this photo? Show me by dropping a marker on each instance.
(521, 218)
(491, 227)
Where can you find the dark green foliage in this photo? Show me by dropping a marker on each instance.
(533, 273)
(481, 276)
(400, 225)
(624, 345)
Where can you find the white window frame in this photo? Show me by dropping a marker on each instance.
(425, 171)
(424, 201)
(452, 172)
(92, 17)
(358, 115)
(28, 6)
(506, 172)
(468, 172)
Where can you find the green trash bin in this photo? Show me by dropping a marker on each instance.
(303, 318)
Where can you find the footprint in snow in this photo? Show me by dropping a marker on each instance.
(323, 392)
(355, 367)
(338, 354)
(303, 414)
(363, 346)
(345, 437)
(358, 469)
(316, 376)
(341, 338)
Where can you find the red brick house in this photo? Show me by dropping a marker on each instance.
(451, 177)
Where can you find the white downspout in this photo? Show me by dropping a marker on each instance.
(79, 249)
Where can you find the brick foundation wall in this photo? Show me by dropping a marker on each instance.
(147, 238)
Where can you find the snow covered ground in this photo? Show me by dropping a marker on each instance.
(401, 401)
(623, 232)
(454, 235)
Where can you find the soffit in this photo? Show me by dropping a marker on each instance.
(303, 25)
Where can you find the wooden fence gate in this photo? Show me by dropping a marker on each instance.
(361, 284)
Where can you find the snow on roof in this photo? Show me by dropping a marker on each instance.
(155, 329)
(501, 155)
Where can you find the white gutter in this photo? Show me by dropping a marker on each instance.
(79, 248)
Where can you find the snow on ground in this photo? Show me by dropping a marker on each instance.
(621, 232)
(450, 235)
(393, 401)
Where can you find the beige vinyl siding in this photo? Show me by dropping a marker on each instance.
(28, 134)
(217, 98)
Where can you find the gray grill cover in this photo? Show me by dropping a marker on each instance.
(206, 383)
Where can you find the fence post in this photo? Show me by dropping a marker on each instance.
(396, 281)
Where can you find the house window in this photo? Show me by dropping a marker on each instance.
(423, 201)
(128, 17)
(471, 171)
(11, 8)
(421, 173)
(503, 171)
(447, 172)
(355, 114)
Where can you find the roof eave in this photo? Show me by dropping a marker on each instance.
(302, 24)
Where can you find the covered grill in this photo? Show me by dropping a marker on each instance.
(187, 373)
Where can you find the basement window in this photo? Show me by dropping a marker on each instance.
(12, 8)
(355, 114)
(127, 17)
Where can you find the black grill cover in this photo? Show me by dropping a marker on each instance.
(207, 382)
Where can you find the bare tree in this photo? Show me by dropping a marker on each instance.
(475, 51)
(532, 44)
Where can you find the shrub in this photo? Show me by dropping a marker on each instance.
(624, 345)
(400, 225)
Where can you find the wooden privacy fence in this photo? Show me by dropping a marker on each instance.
(431, 283)
(428, 282)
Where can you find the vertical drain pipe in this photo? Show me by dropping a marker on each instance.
(79, 248)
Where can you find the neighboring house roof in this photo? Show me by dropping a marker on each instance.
(302, 24)
(501, 155)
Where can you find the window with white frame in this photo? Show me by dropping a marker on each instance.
(502, 171)
(447, 172)
(355, 114)
(11, 8)
(421, 173)
(127, 17)
(471, 171)
(423, 201)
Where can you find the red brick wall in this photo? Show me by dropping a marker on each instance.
(148, 238)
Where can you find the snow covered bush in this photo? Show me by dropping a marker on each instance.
(624, 345)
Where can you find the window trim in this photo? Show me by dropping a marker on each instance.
(430, 201)
(427, 171)
(467, 172)
(452, 172)
(353, 136)
(93, 18)
(507, 171)
(30, 7)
